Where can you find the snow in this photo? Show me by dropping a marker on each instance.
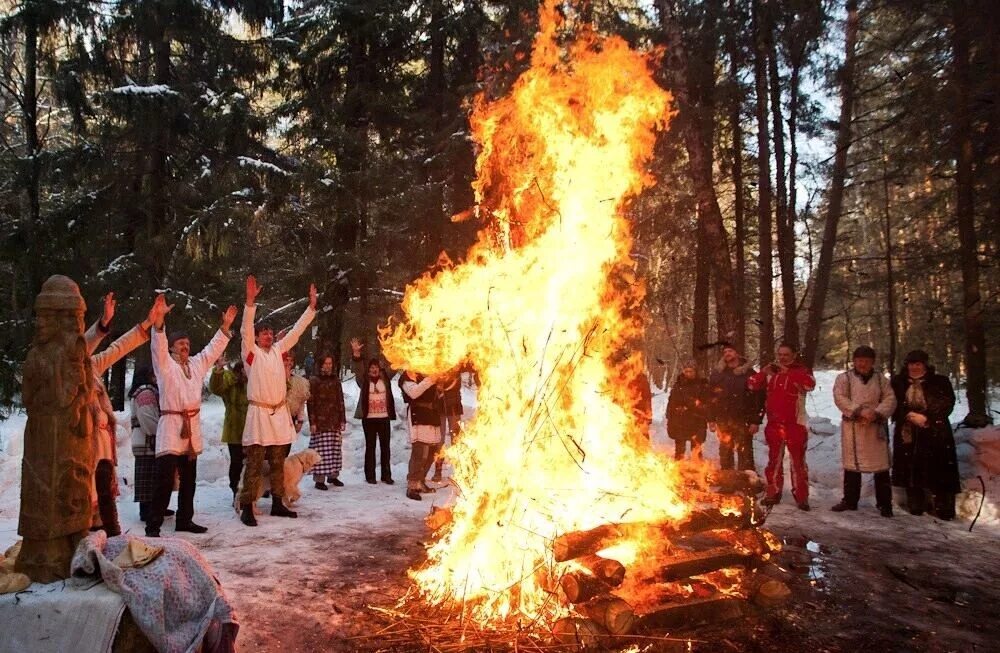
(364, 536)
(249, 162)
(153, 89)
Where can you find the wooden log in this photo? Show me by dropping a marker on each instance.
(580, 586)
(611, 612)
(771, 594)
(732, 481)
(703, 562)
(579, 543)
(692, 614)
(610, 571)
(578, 631)
(576, 544)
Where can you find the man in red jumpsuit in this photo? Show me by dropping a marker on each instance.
(786, 381)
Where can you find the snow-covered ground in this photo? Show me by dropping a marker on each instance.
(351, 545)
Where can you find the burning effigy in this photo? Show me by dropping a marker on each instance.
(558, 490)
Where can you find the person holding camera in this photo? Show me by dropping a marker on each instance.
(866, 402)
(786, 382)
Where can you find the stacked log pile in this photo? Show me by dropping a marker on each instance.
(707, 541)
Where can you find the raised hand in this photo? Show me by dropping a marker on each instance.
(227, 318)
(313, 296)
(252, 290)
(159, 311)
(109, 309)
(356, 347)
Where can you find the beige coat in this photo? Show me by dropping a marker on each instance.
(864, 446)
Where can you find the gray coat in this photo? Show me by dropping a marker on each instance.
(864, 446)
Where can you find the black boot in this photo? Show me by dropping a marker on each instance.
(143, 510)
(106, 506)
(278, 508)
(246, 514)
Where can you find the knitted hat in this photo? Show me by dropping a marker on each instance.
(917, 356)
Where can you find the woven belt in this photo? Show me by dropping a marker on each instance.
(187, 415)
(271, 407)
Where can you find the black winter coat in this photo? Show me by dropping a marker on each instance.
(731, 401)
(929, 461)
(687, 409)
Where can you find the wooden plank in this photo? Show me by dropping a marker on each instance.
(703, 562)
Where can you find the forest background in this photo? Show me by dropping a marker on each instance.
(831, 177)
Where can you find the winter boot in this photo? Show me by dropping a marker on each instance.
(320, 485)
(246, 514)
(333, 480)
(278, 508)
(804, 506)
(106, 506)
(413, 494)
(885, 511)
(190, 527)
(842, 506)
(438, 468)
(771, 501)
(143, 510)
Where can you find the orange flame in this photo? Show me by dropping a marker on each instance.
(546, 308)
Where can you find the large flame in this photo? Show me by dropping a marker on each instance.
(546, 308)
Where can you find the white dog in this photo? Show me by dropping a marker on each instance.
(297, 465)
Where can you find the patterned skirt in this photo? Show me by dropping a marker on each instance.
(329, 446)
(145, 478)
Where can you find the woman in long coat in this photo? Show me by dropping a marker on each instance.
(327, 420)
(144, 406)
(924, 460)
(687, 416)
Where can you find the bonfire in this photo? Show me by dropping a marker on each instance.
(557, 488)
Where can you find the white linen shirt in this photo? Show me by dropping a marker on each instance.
(178, 392)
(266, 382)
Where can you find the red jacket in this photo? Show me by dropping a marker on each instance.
(786, 393)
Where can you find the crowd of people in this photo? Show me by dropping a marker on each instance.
(910, 410)
(267, 404)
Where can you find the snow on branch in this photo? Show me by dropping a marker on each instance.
(120, 264)
(263, 166)
(153, 89)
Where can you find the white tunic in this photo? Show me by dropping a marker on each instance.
(271, 423)
(181, 392)
(426, 433)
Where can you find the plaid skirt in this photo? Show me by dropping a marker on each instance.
(330, 447)
(145, 478)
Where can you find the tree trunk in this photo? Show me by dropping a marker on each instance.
(32, 147)
(786, 239)
(435, 105)
(965, 213)
(766, 264)
(835, 203)
(676, 71)
(791, 314)
(699, 323)
(739, 201)
(890, 292)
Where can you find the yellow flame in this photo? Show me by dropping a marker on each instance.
(546, 307)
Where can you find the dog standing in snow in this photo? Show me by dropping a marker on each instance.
(297, 465)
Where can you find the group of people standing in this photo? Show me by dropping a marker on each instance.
(165, 402)
(433, 411)
(736, 398)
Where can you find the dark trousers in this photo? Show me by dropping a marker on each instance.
(941, 505)
(235, 466)
(421, 459)
(166, 467)
(852, 488)
(104, 479)
(377, 429)
(735, 446)
(680, 447)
